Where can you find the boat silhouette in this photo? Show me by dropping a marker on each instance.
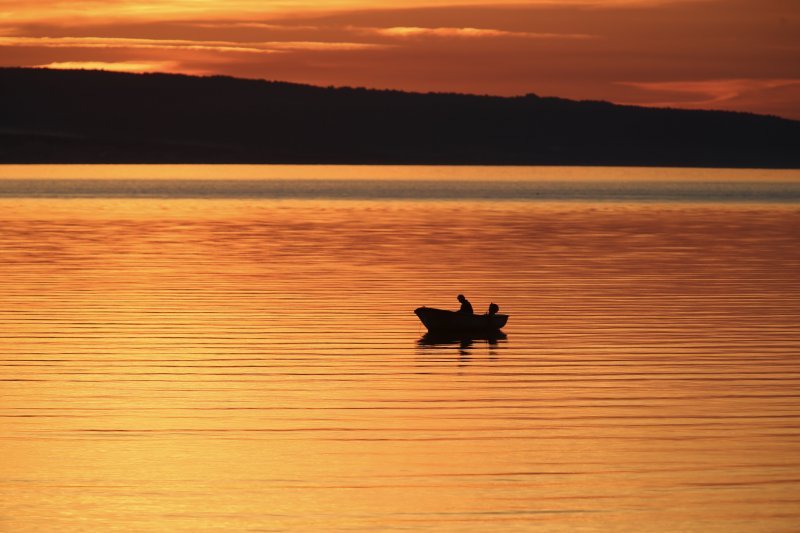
(440, 321)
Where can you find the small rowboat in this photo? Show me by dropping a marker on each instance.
(439, 320)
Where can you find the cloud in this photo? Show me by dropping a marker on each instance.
(321, 45)
(181, 44)
(118, 66)
(470, 33)
(256, 25)
(707, 92)
(120, 42)
(79, 12)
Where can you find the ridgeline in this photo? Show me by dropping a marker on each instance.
(68, 116)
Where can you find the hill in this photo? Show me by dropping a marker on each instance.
(63, 116)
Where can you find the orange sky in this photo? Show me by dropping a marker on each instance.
(717, 54)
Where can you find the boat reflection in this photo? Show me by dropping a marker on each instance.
(435, 339)
(464, 343)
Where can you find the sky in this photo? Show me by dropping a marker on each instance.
(741, 55)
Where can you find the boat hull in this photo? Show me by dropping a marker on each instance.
(442, 321)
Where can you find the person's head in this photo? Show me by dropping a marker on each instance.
(493, 308)
(461, 298)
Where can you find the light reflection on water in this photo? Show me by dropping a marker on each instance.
(255, 364)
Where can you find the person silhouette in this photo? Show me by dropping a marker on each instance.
(466, 307)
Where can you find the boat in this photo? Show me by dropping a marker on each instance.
(442, 321)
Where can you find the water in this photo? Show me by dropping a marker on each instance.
(186, 349)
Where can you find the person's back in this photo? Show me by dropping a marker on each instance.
(466, 307)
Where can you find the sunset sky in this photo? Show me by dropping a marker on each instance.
(716, 54)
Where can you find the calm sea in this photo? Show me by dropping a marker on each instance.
(233, 348)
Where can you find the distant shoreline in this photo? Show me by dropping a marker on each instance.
(6, 165)
(390, 164)
(98, 117)
(398, 183)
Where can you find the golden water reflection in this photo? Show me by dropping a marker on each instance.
(190, 365)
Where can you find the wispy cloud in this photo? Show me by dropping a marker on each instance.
(257, 25)
(119, 66)
(120, 42)
(469, 33)
(72, 12)
(181, 44)
(321, 45)
(707, 92)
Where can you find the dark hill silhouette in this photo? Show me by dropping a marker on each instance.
(63, 116)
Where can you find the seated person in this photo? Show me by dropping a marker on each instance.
(466, 307)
